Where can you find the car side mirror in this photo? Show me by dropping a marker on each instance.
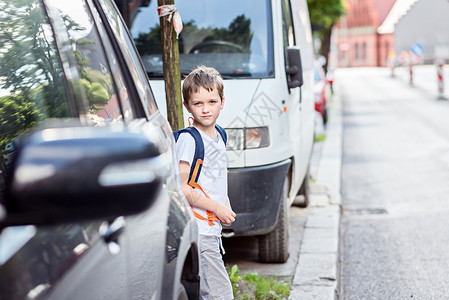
(82, 173)
(294, 69)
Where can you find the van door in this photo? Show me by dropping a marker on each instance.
(295, 99)
(296, 34)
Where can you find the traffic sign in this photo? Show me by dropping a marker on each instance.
(417, 49)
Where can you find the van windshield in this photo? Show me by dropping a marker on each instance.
(233, 36)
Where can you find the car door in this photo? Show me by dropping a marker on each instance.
(154, 238)
(162, 242)
(145, 234)
(54, 66)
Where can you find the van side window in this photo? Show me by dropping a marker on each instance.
(287, 22)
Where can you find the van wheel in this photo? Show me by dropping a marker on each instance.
(302, 200)
(273, 247)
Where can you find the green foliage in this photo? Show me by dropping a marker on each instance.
(323, 16)
(15, 115)
(325, 13)
(29, 72)
(254, 286)
(150, 43)
(96, 93)
(238, 32)
(95, 85)
(234, 276)
(320, 137)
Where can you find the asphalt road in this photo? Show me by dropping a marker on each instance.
(395, 186)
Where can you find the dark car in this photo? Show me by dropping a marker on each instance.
(90, 204)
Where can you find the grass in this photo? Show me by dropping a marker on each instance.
(320, 137)
(254, 286)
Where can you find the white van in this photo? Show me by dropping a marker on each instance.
(258, 47)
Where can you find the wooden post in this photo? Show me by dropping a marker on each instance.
(172, 73)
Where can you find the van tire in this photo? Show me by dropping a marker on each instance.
(303, 198)
(273, 247)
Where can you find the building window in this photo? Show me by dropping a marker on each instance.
(364, 56)
(356, 50)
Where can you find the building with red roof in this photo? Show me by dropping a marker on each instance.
(357, 39)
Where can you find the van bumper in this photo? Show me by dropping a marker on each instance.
(255, 195)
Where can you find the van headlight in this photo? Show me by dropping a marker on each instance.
(235, 138)
(247, 138)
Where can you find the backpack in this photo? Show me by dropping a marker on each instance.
(197, 163)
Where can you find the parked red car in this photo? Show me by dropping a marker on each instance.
(322, 90)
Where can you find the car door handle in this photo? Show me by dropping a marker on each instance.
(110, 232)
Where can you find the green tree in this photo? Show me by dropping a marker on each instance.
(323, 16)
(96, 85)
(15, 115)
(29, 60)
(239, 32)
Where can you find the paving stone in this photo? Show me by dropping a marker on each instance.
(324, 219)
(320, 240)
(316, 269)
(312, 293)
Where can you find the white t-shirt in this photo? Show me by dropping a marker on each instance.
(213, 177)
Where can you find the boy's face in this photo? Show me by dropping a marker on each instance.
(205, 107)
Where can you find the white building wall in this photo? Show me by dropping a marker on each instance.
(426, 23)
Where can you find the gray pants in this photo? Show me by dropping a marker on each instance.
(215, 283)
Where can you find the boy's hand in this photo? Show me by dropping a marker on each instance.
(225, 214)
(225, 224)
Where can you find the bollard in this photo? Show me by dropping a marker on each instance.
(440, 76)
(391, 62)
(411, 74)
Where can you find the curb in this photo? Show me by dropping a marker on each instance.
(316, 274)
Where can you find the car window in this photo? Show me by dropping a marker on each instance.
(48, 71)
(237, 42)
(32, 85)
(131, 56)
(100, 101)
(287, 22)
(128, 106)
(288, 33)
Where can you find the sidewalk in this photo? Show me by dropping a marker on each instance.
(316, 274)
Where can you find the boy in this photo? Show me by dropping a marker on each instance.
(203, 98)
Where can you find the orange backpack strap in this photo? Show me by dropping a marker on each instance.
(195, 170)
(210, 217)
(194, 184)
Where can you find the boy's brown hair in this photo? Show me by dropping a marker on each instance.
(202, 77)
